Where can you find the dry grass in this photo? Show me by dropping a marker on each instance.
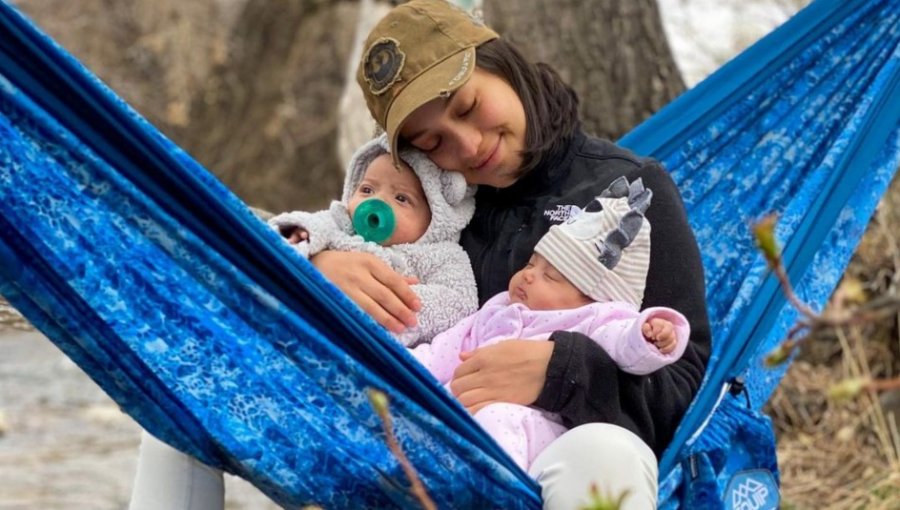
(833, 456)
(846, 455)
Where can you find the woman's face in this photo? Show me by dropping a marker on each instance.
(478, 131)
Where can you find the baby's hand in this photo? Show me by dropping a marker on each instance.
(299, 235)
(293, 233)
(660, 333)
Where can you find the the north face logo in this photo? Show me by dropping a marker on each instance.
(561, 213)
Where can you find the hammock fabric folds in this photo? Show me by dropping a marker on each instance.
(193, 316)
(804, 124)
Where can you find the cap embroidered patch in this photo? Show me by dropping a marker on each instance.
(382, 65)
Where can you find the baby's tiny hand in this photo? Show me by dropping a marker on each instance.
(294, 234)
(660, 333)
(300, 235)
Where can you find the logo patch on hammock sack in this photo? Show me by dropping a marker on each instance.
(753, 489)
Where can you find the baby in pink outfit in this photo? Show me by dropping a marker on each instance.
(586, 275)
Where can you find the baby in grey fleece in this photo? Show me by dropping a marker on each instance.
(430, 206)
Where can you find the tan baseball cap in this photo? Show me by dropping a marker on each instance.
(421, 50)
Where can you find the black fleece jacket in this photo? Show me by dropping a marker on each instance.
(583, 384)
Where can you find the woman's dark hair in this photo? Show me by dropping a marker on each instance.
(551, 106)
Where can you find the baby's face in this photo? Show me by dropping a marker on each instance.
(539, 286)
(401, 190)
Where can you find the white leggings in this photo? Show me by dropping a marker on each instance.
(611, 457)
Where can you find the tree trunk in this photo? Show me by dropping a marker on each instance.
(614, 53)
(267, 119)
(252, 88)
(356, 123)
(249, 88)
(155, 55)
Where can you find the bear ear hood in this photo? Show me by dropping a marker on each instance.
(451, 200)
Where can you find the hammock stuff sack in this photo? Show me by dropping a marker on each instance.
(214, 336)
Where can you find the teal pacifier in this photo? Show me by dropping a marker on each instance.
(374, 220)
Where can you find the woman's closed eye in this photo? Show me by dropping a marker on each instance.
(430, 145)
(469, 109)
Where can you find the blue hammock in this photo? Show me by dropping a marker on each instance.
(193, 316)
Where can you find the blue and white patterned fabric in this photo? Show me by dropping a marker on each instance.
(804, 124)
(194, 317)
(188, 311)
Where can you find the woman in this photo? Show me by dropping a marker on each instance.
(439, 80)
(446, 84)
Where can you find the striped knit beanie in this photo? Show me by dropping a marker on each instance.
(605, 250)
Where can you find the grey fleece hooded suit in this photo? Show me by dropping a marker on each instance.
(446, 285)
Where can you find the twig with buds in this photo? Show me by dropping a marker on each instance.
(380, 403)
(838, 316)
(600, 501)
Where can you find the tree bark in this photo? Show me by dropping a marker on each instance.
(252, 88)
(356, 123)
(614, 53)
(266, 122)
(155, 55)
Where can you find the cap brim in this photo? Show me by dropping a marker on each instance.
(440, 80)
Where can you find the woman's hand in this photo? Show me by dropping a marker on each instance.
(373, 285)
(511, 371)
